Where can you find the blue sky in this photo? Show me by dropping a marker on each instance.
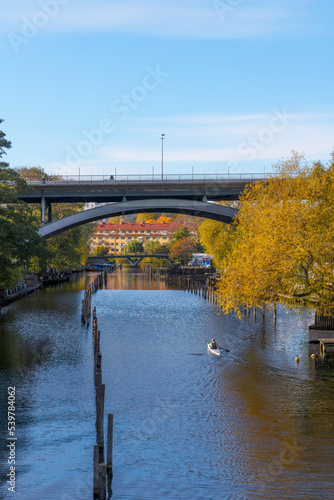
(236, 84)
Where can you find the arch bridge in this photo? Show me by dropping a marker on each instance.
(122, 195)
(196, 208)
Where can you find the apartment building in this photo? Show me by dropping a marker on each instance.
(116, 236)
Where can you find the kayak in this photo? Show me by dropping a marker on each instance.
(213, 351)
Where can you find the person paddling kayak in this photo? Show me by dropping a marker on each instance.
(213, 344)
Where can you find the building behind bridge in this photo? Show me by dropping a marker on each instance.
(116, 236)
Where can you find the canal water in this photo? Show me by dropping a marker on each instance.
(250, 424)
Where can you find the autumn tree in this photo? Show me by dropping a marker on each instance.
(156, 218)
(215, 239)
(30, 173)
(182, 250)
(101, 250)
(163, 219)
(144, 217)
(280, 247)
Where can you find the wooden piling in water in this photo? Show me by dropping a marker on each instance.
(110, 434)
(100, 467)
(96, 472)
(100, 393)
(102, 482)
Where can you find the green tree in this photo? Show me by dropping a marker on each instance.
(156, 247)
(65, 251)
(134, 246)
(19, 239)
(101, 250)
(183, 232)
(69, 250)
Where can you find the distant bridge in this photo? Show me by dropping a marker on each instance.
(134, 259)
(194, 195)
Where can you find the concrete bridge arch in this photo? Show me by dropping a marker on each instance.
(179, 206)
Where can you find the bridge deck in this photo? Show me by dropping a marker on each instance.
(106, 190)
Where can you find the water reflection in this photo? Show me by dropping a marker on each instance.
(248, 425)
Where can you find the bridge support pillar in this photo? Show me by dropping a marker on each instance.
(43, 205)
(49, 206)
(133, 262)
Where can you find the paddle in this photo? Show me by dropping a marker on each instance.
(222, 348)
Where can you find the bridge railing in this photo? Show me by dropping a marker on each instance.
(147, 179)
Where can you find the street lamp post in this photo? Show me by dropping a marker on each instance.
(162, 156)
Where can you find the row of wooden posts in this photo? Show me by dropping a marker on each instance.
(86, 303)
(202, 286)
(192, 280)
(86, 306)
(102, 467)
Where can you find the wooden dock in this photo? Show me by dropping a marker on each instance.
(19, 294)
(326, 347)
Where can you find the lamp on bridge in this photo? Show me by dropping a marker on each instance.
(162, 156)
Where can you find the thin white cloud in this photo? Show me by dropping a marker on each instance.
(209, 142)
(194, 19)
(222, 138)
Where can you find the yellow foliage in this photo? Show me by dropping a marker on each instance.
(163, 219)
(280, 247)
